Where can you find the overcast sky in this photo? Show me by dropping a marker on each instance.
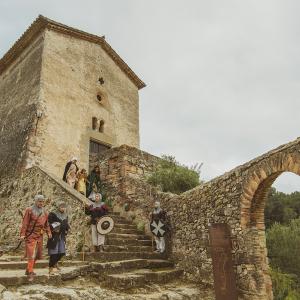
(222, 76)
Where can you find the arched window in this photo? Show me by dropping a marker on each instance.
(101, 127)
(94, 123)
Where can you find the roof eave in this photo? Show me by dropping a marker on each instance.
(42, 23)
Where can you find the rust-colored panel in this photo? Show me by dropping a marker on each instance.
(224, 276)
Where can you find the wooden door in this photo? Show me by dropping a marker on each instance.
(224, 276)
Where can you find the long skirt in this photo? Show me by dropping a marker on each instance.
(59, 248)
(97, 238)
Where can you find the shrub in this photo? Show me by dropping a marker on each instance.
(283, 243)
(173, 177)
(284, 286)
(141, 226)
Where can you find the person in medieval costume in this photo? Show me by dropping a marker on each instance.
(58, 221)
(72, 175)
(34, 225)
(93, 183)
(68, 165)
(81, 181)
(158, 226)
(97, 210)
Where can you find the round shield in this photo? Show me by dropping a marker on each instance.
(105, 225)
(158, 228)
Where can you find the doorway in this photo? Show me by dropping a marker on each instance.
(96, 149)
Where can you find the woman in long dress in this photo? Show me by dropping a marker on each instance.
(81, 183)
(59, 225)
(72, 175)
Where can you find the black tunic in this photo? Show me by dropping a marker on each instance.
(161, 216)
(64, 228)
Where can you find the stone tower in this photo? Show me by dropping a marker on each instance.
(64, 92)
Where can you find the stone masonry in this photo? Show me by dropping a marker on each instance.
(236, 198)
(60, 89)
(53, 82)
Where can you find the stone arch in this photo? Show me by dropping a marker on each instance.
(258, 181)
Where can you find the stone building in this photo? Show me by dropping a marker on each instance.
(64, 92)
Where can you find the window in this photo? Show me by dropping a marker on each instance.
(94, 123)
(99, 97)
(101, 127)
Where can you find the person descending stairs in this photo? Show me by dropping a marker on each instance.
(128, 261)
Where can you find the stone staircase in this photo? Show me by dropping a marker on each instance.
(127, 262)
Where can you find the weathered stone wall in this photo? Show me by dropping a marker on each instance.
(124, 171)
(18, 194)
(69, 88)
(236, 198)
(19, 95)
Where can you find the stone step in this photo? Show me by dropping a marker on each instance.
(128, 248)
(116, 241)
(18, 277)
(138, 236)
(101, 270)
(5, 258)
(14, 265)
(141, 277)
(159, 263)
(121, 220)
(125, 226)
(126, 231)
(114, 256)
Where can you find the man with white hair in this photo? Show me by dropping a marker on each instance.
(34, 225)
(73, 161)
(158, 226)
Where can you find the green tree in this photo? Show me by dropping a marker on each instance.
(281, 207)
(284, 285)
(174, 177)
(283, 243)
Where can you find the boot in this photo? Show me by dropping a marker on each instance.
(52, 271)
(27, 273)
(30, 276)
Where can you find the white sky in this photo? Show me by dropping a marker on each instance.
(222, 76)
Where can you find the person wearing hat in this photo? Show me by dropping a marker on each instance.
(96, 210)
(72, 163)
(59, 225)
(34, 225)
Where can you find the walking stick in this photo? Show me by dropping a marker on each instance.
(83, 250)
(83, 245)
(152, 241)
